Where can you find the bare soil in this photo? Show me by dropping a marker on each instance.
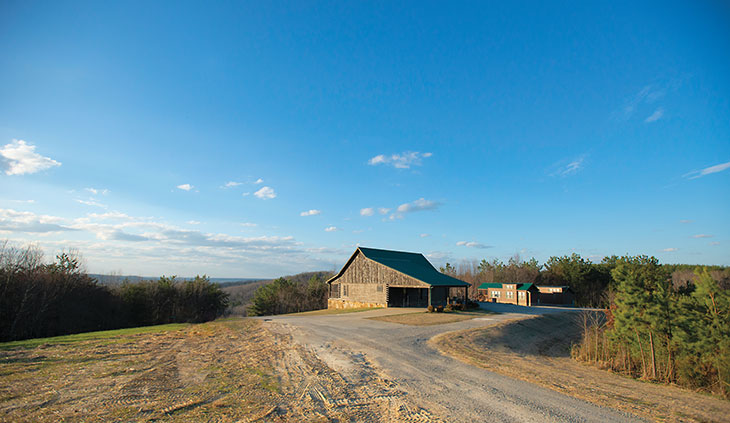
(230, 370)
(537, 349)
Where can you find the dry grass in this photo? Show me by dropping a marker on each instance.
(427, 319)
(328, 311)
(537, 350)
(228, 370)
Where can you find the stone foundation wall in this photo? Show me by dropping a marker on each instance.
(338, 303)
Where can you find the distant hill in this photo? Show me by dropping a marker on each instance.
(115, 279)
(242, 292)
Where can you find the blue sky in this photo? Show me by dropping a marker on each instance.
(267, 138)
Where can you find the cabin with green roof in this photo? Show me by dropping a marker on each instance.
(386, 278)
(526, 294)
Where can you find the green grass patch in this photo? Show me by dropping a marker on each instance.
(91, 336)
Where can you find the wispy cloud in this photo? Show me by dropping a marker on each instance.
(91, 202)
(563, 169)
(193, 222)
(231, 184)
(97, 191)
(715, 243)
(658, 113)
(259, 181)
(702, 236)
(185, 187)
(647, 95)
(424, 235)
(367, 211)
(707, 171)
(265, 193)
(312, 212)
(331, 229)
(670, 250)
(685, 221)
(400, 161)
(249, 224)
(472, 244)
(20, 158)
(383, 210)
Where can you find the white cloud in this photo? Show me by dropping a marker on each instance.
(472, 244)
(91, 202)
(20, 158)
(702, 236)
(231, 184)
(185, 187)
(418, 205)
(265, 193)
(383, 210)
(27, 222)
(670, 250)
(707, 171)
(571, 168)
(97, 191)
(685, 221)
(246, 194)
(658, 113)
(715, 243)
(249, 224)
(193, 222)
(424, 235)
(259, 181)
(312, 212)
(331, 229)
(401, 161)
(367, 211)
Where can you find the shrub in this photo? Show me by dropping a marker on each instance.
(440, 309)
(430, 308)
(449, 308)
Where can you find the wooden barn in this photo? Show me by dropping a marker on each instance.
(384, 278)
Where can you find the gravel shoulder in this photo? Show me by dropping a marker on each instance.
(448, 388)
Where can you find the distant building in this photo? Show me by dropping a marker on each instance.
(556, 295)
(525, 294)
(384, 278)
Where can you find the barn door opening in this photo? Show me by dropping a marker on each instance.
(407, 297)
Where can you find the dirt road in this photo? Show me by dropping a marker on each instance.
(449, 389)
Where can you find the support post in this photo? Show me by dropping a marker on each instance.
(429, 295)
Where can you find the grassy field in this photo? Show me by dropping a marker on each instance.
(227, 370)
(118, 335)
(537, 350)
(426, 319)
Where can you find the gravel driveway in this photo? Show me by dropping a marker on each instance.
(448, 388)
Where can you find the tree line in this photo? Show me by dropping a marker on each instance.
(658, 330)
(40, 299)
(591, 282)
(286, 295)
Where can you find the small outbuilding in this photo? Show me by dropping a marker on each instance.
(385, 278)
(525, 294)
(556, 295)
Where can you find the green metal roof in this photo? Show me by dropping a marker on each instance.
(414, 265)
(520, 286)
(490, 285)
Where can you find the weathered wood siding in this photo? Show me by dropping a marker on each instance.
(366, 281)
